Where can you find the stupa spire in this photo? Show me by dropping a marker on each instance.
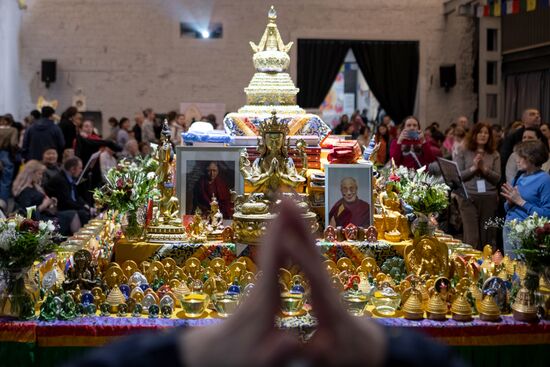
(271, 39)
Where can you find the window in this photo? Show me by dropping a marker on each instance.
(492, 72)
(492, 39)
(492, 106)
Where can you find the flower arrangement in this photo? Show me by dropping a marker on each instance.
(531, 238)
(423, 192)
(128, 185)
(22, 242)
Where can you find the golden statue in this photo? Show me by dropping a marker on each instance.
(274, 170)
(167, 224)
(272, 176)
(196, 231)
(427, 256)
(388, 199)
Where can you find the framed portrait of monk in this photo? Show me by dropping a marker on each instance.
(348, 195)
(207, 172)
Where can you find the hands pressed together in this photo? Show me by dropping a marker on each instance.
(249, 337)
(512, 195)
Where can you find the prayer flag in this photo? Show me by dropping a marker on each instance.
(479, 11)
(486, 12)
(531, 5)
(522, 5)
(515, 6)
(496, 9)
(509, 7)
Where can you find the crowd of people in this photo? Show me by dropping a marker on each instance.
(504, 170)
(42, 160)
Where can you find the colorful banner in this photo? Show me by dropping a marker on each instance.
(497, 8)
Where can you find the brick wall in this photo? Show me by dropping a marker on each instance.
(126, 55)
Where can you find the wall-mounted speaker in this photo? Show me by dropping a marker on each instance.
(49, 71)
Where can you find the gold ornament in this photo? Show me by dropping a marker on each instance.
(437, 308)
(412, 309)
(488, 309)
(461, 309)
(524, 308)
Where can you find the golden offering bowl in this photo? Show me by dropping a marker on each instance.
(291, 303)
(392, 236)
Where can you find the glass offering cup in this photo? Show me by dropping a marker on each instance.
(225, 303)
(355, 303)
(291, 303)
(386, 304)
(194, 304)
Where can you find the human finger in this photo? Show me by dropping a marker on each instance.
(302, 249)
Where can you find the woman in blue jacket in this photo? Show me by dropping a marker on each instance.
(529, 191)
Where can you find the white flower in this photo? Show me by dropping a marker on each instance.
(42, 226)
(12, 224)
(51, 226)
(151, 175)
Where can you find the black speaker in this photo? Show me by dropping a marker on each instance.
(49, 71)
(447, 76)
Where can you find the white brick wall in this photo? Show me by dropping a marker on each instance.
(126, 55)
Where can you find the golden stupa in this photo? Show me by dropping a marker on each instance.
(524, 307)
(272, 89)
(437, 308)
(412, 309)
(461, 309)
(488, 310)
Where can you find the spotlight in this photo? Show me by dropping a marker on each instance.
(205, 34)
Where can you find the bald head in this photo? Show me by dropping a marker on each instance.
(348, 187)
(531, 118)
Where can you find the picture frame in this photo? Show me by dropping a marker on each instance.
(196, 166)
(343, 204)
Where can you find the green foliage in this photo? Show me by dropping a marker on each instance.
(128, 185)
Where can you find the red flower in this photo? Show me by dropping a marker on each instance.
(540, 231)
(394, 178)
(29, 225)
(547, 227)
(119, 183)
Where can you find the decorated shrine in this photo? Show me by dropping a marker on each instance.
(147, 263)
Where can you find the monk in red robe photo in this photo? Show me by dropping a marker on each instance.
(212, 184)
(349, 209)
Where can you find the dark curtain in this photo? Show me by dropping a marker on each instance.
(391, 71)
(318, 64)
(525, 90)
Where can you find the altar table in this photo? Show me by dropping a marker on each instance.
(37, 343)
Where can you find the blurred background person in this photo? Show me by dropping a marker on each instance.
(479, 165)
(529, 134)
(28, 192)
(529, 192)
(50, 161)
(411, 149)
(8, 145)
